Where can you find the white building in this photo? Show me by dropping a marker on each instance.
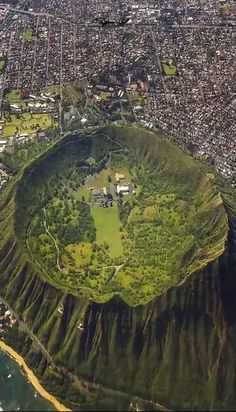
(122, 189)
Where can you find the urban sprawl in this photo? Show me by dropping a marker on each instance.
(170, 64)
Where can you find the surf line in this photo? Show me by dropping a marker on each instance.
(32, 378)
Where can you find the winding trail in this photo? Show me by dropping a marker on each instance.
(53, 239)
(48, 277)
(23, 325)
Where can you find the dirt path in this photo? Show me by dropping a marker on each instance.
(53, 239)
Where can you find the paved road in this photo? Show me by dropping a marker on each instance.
(35, 53)
(86, 23)
(23, 326)
(5, 75)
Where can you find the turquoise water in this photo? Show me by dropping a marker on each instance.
(16, 393)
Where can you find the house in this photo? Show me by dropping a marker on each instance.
(97, 192)
(119, 177)
(3, 144)
(123, 189)
(83, 120)
(42, 135)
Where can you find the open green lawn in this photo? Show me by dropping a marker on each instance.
(105, 96)
(138, 99)
(83, 192)
(13, 97)
(27, 36)
(70, 92)
(151, 241)
(81, 253)
(2, 64)
(26, 123)
(100, 180)
(108, 225)
(53, 90)
(169, 69)
(73, 94)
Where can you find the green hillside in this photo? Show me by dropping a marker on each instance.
(170, 224)
(151, 322)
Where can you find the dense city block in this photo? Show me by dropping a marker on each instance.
(164, 64)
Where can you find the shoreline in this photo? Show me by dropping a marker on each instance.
(32, 378)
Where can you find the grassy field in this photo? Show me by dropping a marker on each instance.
(2, 64)
(105, 96)
(138, 99)
(27, 36)
(169, 69)
(13, 97)
(26, 124)
(101, 179)
(147, 242)
(70, 92)
(83, 192)
(81, 253)
(53, 90)
(73, 94)
(108, 225)
(98, 181)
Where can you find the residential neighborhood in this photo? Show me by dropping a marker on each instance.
(168, 65)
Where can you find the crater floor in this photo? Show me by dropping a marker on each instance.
(122, 211)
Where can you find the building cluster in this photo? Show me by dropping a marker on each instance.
(171, 65)
(107, 196)
(7, 319)
(198, 105)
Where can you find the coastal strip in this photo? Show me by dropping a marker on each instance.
(32, 378)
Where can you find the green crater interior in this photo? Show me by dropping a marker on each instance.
(170, 224)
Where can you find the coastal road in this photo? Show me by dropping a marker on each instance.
(24, 327)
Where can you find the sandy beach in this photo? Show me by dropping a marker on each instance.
(32, 378)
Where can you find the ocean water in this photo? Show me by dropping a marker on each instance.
(16, 393)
